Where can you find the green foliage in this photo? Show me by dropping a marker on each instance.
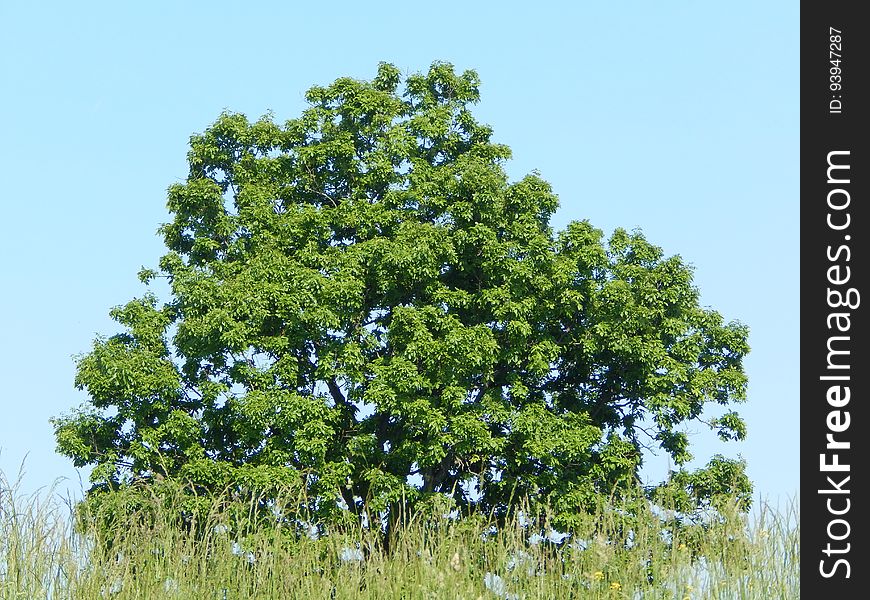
(360, 296)
(141, 552)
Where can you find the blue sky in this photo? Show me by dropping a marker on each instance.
(680, 118)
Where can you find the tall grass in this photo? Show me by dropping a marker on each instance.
(148, 556)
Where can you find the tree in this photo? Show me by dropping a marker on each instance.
(363, 305)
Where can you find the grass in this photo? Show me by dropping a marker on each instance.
(42, 555)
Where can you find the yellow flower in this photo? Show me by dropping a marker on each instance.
(615, 586)
(598, 575)
(681, 547)
(690, 589)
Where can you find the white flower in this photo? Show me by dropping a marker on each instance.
(557, 537)
(521, 559)
(351, 555)
(239, 551)
(579, 544)
(496, 585)
(115, 588)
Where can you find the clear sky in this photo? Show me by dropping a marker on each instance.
(677, 117)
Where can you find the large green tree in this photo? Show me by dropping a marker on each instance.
(362, 304)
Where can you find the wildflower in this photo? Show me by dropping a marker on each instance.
(455, 562)
(115, 588)
(170, 585)
(239, 551)
(351, 555)
(580, 544)
(615, 586)
(557, 537)
(220, 528)
(488, 533)
(521, 559)
(598, 575)
(681, 547)
(496, 585)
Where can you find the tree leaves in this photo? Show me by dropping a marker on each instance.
(360, 297)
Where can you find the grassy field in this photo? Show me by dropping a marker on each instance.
(42, 555)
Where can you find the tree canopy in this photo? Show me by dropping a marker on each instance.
(362, 304)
